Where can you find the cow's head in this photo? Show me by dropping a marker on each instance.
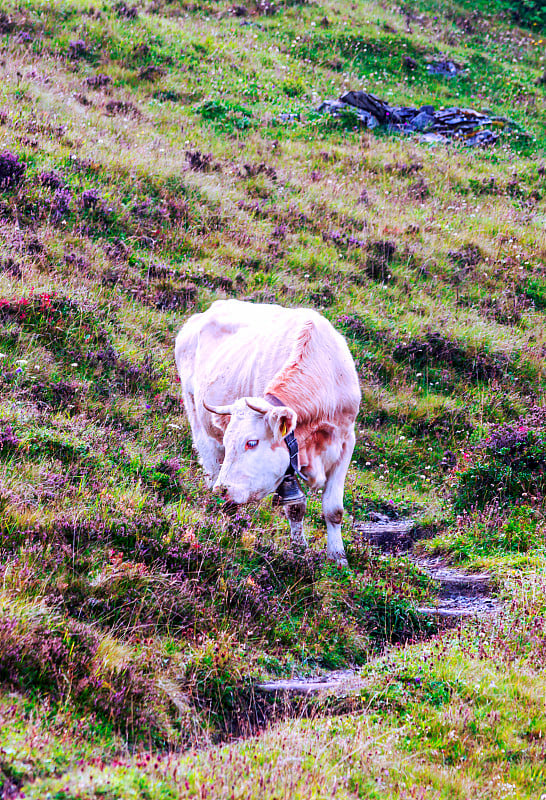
(256, 457)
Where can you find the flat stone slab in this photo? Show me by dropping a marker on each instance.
(389, 535)
(455, 580)
(459, 608)
(332, 681)
(462, 594)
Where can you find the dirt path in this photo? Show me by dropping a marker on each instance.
(460, 595)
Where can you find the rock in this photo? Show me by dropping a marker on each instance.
(366, 117)
(332, 106)
(483, 138)
(471, 127)
(422, 121)
(461, 594)
(389, 536)
(375, 516)
(445, 68)
(382, 112)
(287, 116)
(406, 114)
(332, 681)
(433, 138)
(336, 107)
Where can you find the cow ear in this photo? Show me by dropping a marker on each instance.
(221, 421)
(282, 421)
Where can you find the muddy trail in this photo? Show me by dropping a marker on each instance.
(459, 596)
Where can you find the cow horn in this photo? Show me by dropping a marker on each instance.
(259, 409)
(218, 409)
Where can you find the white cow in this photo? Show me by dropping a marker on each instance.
(251, 374)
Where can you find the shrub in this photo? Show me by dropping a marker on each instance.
(436, 349)
(493, 530)
(511, 462)
(8, 440)
(12, 171)
(60, 658)
(90, 198)
(530, 13)
(227, 116)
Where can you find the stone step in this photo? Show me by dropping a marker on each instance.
(388, 534)
(333, 681)
(453, 580)
(446, 613)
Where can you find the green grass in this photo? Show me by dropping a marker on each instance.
(161, 176)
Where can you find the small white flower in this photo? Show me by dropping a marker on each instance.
(22, 362)
(3, 355)
(75, 364)
(172, 425)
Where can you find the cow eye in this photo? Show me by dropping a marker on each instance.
(251, 444)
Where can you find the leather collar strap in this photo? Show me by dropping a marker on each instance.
(290, 441)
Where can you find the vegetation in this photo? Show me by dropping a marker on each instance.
(154, 157)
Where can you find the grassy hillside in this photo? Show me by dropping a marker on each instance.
(155, 156)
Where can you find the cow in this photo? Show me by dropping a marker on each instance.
(259, 380)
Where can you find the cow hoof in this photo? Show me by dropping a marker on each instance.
(340, 560)
(299, 544)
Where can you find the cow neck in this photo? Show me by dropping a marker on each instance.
(290, 441)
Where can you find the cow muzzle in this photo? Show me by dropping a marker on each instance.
(232, 495)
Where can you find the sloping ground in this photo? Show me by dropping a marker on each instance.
(154, 157)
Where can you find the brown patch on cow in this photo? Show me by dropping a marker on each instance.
(292, 370)
(312, 442)
(334, 517)
(321, 438)
(296, 513)
(311, 366)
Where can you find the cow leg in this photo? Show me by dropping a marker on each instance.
(211, 452)
(332, 502)
(211, 456)
(295, 514)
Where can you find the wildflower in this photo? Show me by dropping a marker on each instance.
(90, 198)
(77, 48)
(52, 180)
(12, 170)
(61, 204)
